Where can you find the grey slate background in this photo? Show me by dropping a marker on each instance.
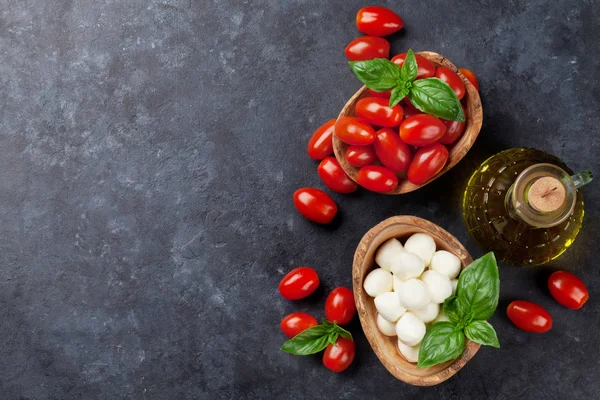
(149, 152)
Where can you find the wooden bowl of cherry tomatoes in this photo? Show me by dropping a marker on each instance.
(390, 165)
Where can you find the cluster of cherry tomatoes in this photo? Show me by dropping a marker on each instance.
(339, 308)
(567, 289)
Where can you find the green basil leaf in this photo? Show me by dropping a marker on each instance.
(479, 287)
(456, 309)
(343, 333)
(310, 341)
(379, 74)
(397, 95)
(410, 69)
(482, 332)
(435, 97)
(443, 341)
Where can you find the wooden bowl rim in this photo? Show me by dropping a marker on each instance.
(370, 328)
(457, 151)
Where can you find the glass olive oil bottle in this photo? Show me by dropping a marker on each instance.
(525, 205)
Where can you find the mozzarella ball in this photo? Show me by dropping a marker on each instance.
(386, 252)
(438, 285)
(378, 281)
(386, 327)
(445, 263)
(441, 317)
(454, 283)
(422, 245)
(407, 265)
(396, 284)
(389, 306)
(414, 294)
(427, 313)
(410, 329)
(411, 353)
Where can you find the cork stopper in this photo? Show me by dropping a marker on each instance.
(546, 194)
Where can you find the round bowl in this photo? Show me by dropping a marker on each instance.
(456, 151)
(385, 347)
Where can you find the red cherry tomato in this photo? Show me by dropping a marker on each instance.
(568, 290)
(454, 130)
(299, 283)
(334, 177)
(339, 306)
(296, 323)
(422, 129)
(367, 48)
(377, 179)
(352, 130)
(426, 69)
(427, 163)
(470, 76)
(529, 316)
(381, 95)
(391, 150)
(359, 156)
(315, 205)
(452, 79)
(377, 112)
(338, 357)
(409, 110)
(320, 144)
(378, 21)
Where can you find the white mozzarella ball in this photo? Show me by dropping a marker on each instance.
(441, 317)
(410, 329)
(386, 327)
(407, 265)
(378, 281)
(422, 245)
(396, 284)
(454, 283)
(414, 294)
(386, 252)
(438, 286)
(411, 353)
(427, 313)
(389, 306)
(445, 263)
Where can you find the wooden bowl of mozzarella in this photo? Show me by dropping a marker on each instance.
(404, 268)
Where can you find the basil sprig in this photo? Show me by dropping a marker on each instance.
(315, 339)
(475, 301)
(430, 95)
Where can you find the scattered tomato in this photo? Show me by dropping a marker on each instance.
(470, 77)
(427, 163)
(452, 79)
(334, 177)
(381, 95)
(339, 356)
(426, 69)
(454, 130)
(339, 306)
(367, 48)
(299, 283)
(352, 130)
(377, 179)
(320, 144)
(568, 290)
(378, 21)
(529, 316)
(408, 109)
(421, 130)
(391, 150)
(315, 205)
(359, 156)
(377, 112)
(296, 323)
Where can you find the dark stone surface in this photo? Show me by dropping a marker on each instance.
(149, 153)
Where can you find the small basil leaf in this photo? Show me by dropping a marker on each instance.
(442, 342)
(410, 69)
(397, 95)
(482, 332)
(435, 97)
(343, 333)
(456, 309)
(479, 287)
(379, 74)
(310, 341)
